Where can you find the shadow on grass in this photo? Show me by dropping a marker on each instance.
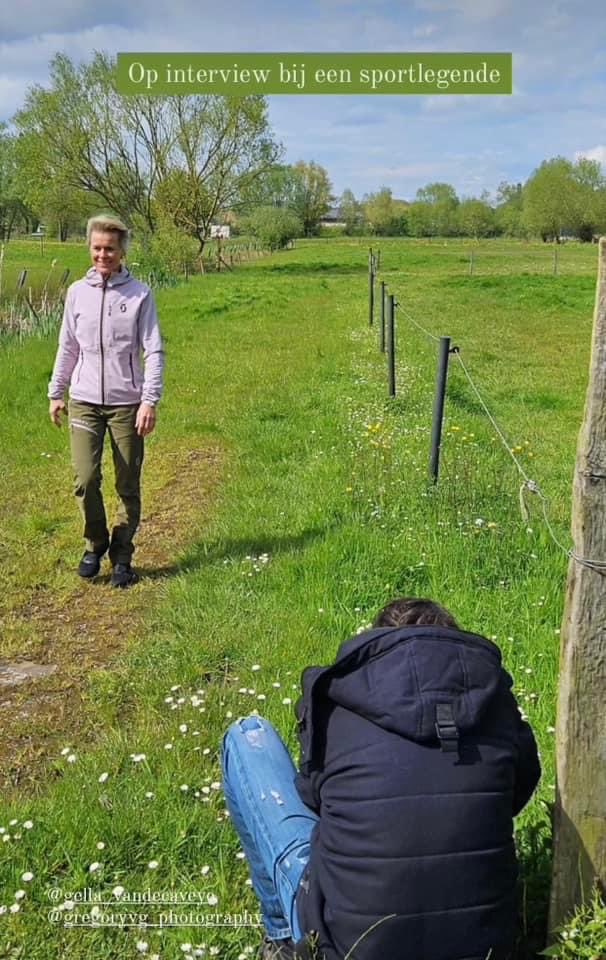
(203, 553)
(144, 573)
(302, 269)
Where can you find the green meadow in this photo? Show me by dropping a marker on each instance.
(321, 512)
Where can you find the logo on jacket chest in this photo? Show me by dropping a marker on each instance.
(123, 308)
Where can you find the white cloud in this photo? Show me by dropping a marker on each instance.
(406, 171)
(28, 58)
(11, 97)
(595, 153)
(445, 103)
(470, 9)
(363, 141)
(33, 18)
(426, 31)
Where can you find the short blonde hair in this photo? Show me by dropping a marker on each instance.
(107, 223)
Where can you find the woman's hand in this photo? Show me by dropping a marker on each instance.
(55, 408)
(146, 419)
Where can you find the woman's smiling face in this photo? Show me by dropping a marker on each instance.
(105, 252)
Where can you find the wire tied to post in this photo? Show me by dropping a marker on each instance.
(529, 484)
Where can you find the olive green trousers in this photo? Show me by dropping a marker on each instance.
(88, 424)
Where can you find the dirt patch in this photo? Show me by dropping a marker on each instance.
(41, 698)
(12, 674)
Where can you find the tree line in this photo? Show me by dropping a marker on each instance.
(559, 199)
(169, 166)
(172, 166)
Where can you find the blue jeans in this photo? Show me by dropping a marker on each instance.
(273, 823)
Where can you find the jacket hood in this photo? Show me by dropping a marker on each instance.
(116, 279)
(395, 677)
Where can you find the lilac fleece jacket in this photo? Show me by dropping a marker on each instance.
(107, 324)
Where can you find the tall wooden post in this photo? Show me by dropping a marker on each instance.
(580, 811)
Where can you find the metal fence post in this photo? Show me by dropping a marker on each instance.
(382, 331)
(438, 407)
(391, 345)
(371, 292)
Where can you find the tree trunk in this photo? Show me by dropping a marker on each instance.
(580, 811)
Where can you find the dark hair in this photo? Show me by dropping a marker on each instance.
(410, 610)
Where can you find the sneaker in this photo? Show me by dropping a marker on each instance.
(277, 949)
(123, 575)
(91, 562)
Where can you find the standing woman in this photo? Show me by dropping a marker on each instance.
(109, 321)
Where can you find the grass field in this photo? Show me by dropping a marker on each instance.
(288, 500)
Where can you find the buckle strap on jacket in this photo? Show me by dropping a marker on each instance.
(446, 728)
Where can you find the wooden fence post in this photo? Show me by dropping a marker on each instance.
(580, 810)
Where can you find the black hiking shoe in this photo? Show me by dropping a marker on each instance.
(91, 562)
(123, 575)
(277, 949)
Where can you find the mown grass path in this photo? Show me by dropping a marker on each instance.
(319, 514)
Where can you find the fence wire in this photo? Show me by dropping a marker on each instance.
(529, 484)
(416, 323)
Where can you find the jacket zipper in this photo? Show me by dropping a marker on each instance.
(132, 372)
(101, 344)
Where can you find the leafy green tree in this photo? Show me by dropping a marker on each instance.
(275, 226)
(276, 186)
(11, 206)
(591, 198)
(352, 212)
(181, 199)
(313, 195)
(509, 210)
(438, 193)
(222, 146)
(421, 219)
(384, 215)
(92, 138)
(443, 202)
(476, 218)
(552, 199)
(136, 154)
(166, 253)
(47, 192)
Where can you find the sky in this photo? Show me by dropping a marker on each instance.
(558, 107)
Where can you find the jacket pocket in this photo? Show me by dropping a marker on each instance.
(132, 371)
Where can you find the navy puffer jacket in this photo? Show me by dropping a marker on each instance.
(415, 756)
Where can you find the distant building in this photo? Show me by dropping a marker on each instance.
(333, 218)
